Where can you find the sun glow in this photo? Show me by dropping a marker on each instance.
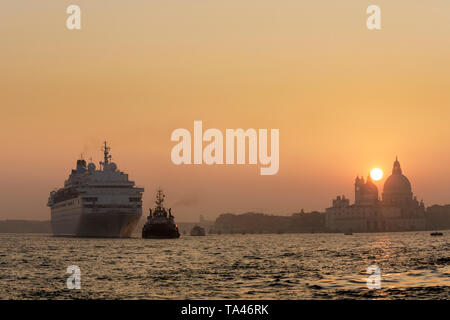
(376, 174)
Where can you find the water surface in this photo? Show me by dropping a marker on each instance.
(286, 266)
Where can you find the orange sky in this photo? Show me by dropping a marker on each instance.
(345, 99)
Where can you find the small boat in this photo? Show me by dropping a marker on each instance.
(160, 223)
(348, 233)
(197, 231)
(434, 234)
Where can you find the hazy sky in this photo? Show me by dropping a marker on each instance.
(345, 99)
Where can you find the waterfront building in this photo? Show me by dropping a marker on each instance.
(397, 210)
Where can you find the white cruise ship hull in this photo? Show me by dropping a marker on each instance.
(105, 224)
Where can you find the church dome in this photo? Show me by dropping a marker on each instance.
(370, 186)
(397, 186)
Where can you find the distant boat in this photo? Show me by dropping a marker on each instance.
(197, 231)
(160, 223)
(348, 233)
(434, 234)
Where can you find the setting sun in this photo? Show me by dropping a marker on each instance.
(376, 174)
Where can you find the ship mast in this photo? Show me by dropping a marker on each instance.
(107, 156)
(106, 150)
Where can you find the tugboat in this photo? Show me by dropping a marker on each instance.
(160, 223)
(197, 231)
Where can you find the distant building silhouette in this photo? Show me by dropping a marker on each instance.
(252, 222)
(438, 217)
(25, 226)
(397, 211)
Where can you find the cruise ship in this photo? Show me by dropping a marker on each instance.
(96, 202)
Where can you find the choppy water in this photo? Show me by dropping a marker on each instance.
(288, 266)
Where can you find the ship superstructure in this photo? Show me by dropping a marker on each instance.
(96, 203)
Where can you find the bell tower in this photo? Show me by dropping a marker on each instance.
(359, 184)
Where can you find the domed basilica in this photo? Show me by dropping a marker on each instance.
(398, 210)
(397, 188)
